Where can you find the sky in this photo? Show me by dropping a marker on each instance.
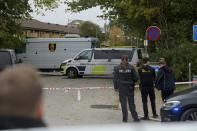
(60, 16)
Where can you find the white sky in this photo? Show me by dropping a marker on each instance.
(60, 16)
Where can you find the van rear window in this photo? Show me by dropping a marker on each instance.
(112, 54)
(5, 59)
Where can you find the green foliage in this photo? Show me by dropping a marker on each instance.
(89, 29)
(175, 18)
(12, 12)
(179, 59)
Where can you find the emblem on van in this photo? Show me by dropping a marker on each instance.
(52, 47)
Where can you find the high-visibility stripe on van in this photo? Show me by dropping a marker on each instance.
(99, 70)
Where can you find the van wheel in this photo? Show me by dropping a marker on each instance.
(72, 73)
(189, 115)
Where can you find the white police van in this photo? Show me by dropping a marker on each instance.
(98, 61)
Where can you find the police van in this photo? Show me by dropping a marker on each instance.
(48, 53)
(98, 61)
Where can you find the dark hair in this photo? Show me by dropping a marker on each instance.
(145, 60)
(124, 57)
(124, 61)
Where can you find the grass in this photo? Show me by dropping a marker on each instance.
(181, 87)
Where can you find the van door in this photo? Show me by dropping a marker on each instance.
(82, 62)
(101, 62)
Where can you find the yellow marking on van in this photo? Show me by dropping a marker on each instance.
(98, 70)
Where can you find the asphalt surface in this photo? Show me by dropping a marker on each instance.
(88, 106)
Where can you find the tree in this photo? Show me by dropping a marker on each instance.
(89, 29)
(175, 18)
(116, 36)
(11, 15)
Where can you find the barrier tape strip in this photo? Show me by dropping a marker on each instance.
(66, 89)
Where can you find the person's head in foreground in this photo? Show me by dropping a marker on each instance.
(20, 98)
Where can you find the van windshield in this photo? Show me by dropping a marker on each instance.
(5, 59)
(85, 55)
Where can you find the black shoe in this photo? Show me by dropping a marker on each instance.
(136, 120)
(155, 116)
(144, 118)
(124, 121)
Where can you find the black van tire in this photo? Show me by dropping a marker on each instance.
(72, 73)
(189, 115)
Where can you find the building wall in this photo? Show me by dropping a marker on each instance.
(42, 34)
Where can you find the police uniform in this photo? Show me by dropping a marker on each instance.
(147, 77)
(124, 82)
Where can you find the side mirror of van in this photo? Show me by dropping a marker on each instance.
(109, 60)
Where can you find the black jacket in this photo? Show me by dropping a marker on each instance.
(165, 79)
(19, 123)
(147, 76)
(124, 78)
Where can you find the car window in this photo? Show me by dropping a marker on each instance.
(5, 58)
(85, 55)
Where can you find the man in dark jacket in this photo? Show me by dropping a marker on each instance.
(125, 77)
(165, 80)
(20, 98)
(147, 77)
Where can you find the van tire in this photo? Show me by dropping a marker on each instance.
(189, 115)
(72, 73)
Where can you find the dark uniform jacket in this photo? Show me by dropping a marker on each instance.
(165, 79)
(124, 78)
(19, 123)
(147, 76)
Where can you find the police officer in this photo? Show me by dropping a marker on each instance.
(125, 77)
(147, 77)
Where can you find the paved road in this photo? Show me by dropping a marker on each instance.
(64, 108)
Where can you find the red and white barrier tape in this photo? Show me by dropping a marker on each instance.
(66, 89)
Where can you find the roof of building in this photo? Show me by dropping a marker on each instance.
(38, 25)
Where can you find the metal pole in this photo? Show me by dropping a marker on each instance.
(68, 27)
(190, 79)
(145, 46)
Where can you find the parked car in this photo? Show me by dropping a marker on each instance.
(181, 106)
(7, 58)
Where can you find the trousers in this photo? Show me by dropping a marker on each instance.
(124, 97)
(166, 93)
(145, 92)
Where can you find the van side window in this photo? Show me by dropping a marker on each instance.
(117, 54)
(85, 55)
(112, 54)
(102, 54)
